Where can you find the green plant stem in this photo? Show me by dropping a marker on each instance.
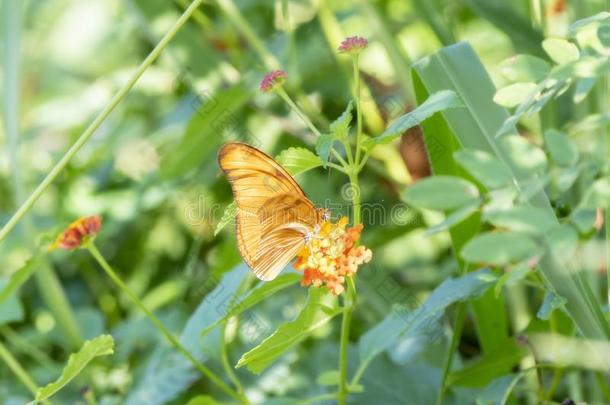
(282, 93)
(158, 324)
(16, 368)
(46, 280)
(224, 357)
(460, 316)
(86, 135)
(356, 63)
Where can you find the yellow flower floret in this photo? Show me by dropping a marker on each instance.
(332, 255)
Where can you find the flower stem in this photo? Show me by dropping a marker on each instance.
(16, 368)
(159, 325)
(86, 135)
(460, 316)
(282, 93)
(356, 63)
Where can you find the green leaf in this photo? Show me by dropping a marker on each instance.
(437, 102)
(441, 193)
(254, 296)
(100, 346)
(525, 68)
(330, 377)
(298, 160)
(526, 219)
(551, 302)
(324, 145)
(498, 391)
(499, 248)
(168, 373)
(490, 366)
(458, 68)
(19, 277)
(583, 88)
(320, 308)
(517, 273)
(583, 218)
(560, 50)
(524, 155)
(506, 16)
(339, 128)
(561, 148)
(579, 24)
(598, 194)
(204, 400)
(227, 217)
(454, 218)
(206, 130)
(405, 322)
(485, 168)
(515, 94)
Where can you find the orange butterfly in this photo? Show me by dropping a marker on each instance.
(274, 218)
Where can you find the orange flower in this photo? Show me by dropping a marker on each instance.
(78, 232)
(331, 256)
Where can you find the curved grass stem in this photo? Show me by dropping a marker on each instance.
(159, 325)
(97, 122)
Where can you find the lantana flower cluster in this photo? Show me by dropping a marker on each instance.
(78, 233)
(332, 255)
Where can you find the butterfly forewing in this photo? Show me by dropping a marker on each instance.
(274, 215)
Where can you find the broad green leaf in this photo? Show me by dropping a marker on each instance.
(485, 168)
(458, 68)
(498, 391)
(551, 302)
(405, 322)
(437, 102)
(490, 366)
(228, 216)
(100, 346)
(320, 308)
(511, 277)
(524, 68)
(254, 296)
(561, 148)
(560, 50)
(453, 219)
(524, 155)
(499, 248)
(298, 160)
(515, 94)
(441, 193)
(526, 219)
